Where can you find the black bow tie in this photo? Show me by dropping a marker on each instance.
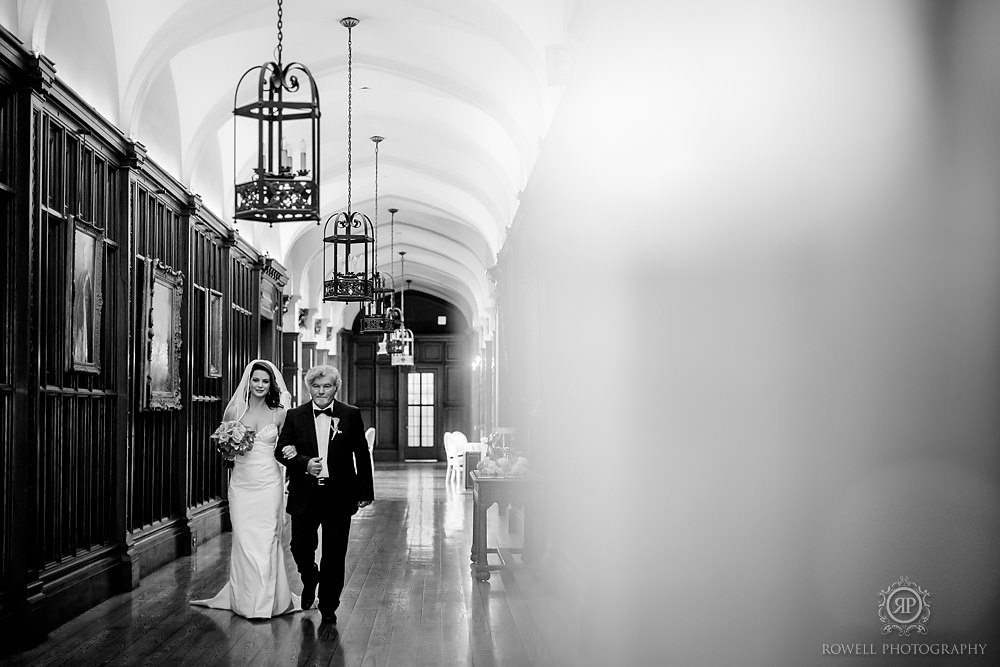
(325, 411)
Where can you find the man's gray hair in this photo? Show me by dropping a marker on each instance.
(324, 370)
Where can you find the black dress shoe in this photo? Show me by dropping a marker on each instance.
(308, 594)
(329, 618)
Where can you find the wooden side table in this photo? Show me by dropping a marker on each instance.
(485, 492)
(471, 461)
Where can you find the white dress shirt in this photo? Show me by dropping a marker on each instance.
(322, 423)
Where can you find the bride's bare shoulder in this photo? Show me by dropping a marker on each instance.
(279, 415)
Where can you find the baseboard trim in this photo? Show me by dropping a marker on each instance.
(207, 521)
(155, 546)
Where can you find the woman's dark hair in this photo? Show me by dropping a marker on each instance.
(273, 398)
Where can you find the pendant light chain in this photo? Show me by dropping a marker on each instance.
(280, 33)
(402, 275)
(377, 139)
(392, 254)
(349, 88)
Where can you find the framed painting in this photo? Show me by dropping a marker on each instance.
(161, 306)
(213, 334)
(267, 307)
(84, 298)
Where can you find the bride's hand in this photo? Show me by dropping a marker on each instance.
(289, 452)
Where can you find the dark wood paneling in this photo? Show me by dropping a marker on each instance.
(429, 352)
(290, 367)
(456, 386)
(74, 460)
(445, 354)
(10, 333)
(364, 384)
(388, 384)
(208, 266)
(366, 352)
(456, 351)
(160, 234)
(386, 428)
(95, 490)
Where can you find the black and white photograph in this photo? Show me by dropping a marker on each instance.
(496, 333)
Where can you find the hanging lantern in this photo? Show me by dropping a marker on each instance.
(400, 344)
(379, 315)
(382, 352)
(282, 186)
(376, 317)
(351, 278)
(401, 340)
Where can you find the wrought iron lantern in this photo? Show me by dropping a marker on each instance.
(380, 315)
(376, 316)
(351, 278)
(402, 340)
(285, 113)
(400, 345)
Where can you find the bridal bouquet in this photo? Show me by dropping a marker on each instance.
(233, 438)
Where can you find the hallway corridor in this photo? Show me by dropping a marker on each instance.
(409, 599)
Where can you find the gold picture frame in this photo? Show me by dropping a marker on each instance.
(161, 306)
(213, 334)
(84, 297)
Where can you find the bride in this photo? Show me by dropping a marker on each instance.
(258, 583)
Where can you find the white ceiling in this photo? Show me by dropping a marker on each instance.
(459, 88)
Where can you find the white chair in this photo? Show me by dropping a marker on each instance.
(456, 457)
(370, 437)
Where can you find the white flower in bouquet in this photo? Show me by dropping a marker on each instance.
(233, 438)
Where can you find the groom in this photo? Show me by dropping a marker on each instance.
(330, 477)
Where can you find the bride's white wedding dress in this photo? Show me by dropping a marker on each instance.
(258, 583)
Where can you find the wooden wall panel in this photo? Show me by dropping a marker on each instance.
(242, 323)
(10, 334)
(73, 445)
(429, 352)
(95, 489)
(388, 385)
(446, 354)
(208, 270)
(160, 234)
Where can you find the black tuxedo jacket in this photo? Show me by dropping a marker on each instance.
(347, 449)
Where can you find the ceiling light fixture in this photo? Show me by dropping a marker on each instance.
(351, 277)
(281, 114)
(379, 315)
(401, 340)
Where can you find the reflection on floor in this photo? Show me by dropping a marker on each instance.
(409, 599)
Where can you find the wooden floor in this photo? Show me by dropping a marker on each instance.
(409, 599)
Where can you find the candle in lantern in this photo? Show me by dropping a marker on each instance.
(302, 155)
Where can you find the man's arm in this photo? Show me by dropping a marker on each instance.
(288, 437)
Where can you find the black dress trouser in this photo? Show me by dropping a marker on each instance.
(336, 523)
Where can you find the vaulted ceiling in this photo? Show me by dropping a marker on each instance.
(461, 90)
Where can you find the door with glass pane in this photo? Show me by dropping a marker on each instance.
(420, 432)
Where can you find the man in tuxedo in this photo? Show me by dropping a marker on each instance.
(330, 478)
